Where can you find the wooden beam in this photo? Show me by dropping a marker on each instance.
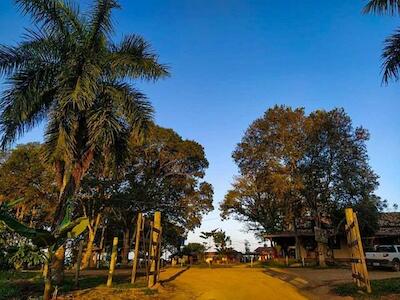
(138, 233)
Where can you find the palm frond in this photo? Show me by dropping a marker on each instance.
(391, 7)
(59, 138)
(52, 14)
(101, 22)
(130, 103)
(391, 58)
(37, 49)
(26, 103)
(134, 58)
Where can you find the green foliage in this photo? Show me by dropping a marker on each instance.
(69, 73)
(163, 173)
(379, 288)
(27, 256)
(44, 238)
(14, 285)
(194, 249)
(220, 239)
(390, 55)
(24, 176)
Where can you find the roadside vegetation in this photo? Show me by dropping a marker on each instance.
(380, 288)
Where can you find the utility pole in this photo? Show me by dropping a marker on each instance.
(139, 229)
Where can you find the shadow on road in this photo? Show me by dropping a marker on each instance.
(176, 275)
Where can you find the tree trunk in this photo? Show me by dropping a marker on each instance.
(87, 258)
(125, 247)
(297, 241)
(321, 254)
(57, 266)
(71, 180)
(88, 253)
(48, 287)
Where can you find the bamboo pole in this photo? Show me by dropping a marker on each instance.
(137, 243)
(112, 262)
(153, 246)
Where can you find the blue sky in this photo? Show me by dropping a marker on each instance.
(232, 59)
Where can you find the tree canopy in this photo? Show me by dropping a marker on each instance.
(295, 166)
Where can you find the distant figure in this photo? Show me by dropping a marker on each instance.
(209, 261)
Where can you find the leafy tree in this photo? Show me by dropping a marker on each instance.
(220, 239)
(335, 171)
(294, 165)
(391, 50)
(68, 73)
(194, 249)
(24, 175)
(266, 195)
(164, 173)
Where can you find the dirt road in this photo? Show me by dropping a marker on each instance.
(227, 284)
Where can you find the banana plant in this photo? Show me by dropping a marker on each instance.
(51, 240)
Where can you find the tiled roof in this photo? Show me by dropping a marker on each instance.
(389, 223)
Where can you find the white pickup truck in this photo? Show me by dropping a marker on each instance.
(384, 256)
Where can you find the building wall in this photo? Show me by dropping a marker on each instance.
(344, 251)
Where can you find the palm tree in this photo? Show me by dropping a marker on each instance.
(68, 73)
(391, 50)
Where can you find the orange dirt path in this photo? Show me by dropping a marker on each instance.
(227, 283)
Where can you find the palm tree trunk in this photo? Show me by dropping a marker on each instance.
(71, 181)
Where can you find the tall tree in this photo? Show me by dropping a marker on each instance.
(312, 165)
(267, 192)
(164, 173)
(68, 73)
(336, 173)
(391, 50)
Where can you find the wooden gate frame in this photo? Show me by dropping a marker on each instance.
(151, 246)
(358, 264)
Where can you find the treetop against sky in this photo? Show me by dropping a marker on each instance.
(231, 60)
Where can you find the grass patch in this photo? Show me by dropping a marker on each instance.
(25, 284)
(380, 288)
(19, 285)
(149, 292)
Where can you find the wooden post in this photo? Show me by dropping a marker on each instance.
(358, 264)
(78, 264)
(363, 265)
(112, 262)
(153, 249)
(137, 242)
(158, 266)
